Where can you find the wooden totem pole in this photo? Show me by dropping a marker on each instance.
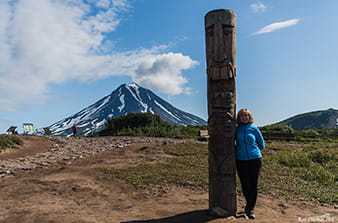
(221, 71)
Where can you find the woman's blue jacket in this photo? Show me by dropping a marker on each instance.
(249, 142)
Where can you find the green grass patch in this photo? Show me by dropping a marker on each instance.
(301, 172)
(293, 171)
(8, 141)
(188, 168)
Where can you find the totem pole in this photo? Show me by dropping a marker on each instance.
(221, 71)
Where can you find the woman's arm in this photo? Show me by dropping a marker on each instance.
(259, 139)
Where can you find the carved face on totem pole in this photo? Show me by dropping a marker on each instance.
(220, 37)
(221, 71)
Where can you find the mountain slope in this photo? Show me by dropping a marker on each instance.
(312, 120)
(125, 99)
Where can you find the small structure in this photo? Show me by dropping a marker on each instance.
(203, 135)
(28, 128)
(12, 130)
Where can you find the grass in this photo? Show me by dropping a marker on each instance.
(8, 141)
(301, 171)
(188, 168)
(292, 171)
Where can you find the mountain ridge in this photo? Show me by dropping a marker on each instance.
(313, 120)
(127, 98)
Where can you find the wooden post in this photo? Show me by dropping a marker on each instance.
(221, 71)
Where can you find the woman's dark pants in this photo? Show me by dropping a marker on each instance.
(248, 172)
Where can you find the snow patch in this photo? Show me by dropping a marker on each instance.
(138, 98)
(133, 85)
(164, 109)
(122, 103)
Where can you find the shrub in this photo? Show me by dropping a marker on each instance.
(7, 141)
(277, 128)
(293, 159)
(316, 173)
(135, 124)
(329, 131)
(309, 148)
(190, 131)
(321, 156)
(147, 124)
(308, 133)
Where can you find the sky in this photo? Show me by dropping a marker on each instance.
(59, 56)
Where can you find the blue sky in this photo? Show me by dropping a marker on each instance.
(59, 56)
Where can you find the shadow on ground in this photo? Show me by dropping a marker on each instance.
(200, 216)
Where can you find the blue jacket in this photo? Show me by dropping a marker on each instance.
(249, 142)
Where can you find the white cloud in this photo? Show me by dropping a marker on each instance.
(275, 26)
(109, 3)
(66, 40)
(163, 73)
(258, 7)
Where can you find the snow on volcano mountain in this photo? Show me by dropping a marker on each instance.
(128, 98)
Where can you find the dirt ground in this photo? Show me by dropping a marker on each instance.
(75, 192)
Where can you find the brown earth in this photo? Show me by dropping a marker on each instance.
(73, 190)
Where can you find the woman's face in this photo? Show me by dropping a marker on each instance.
(244, 118)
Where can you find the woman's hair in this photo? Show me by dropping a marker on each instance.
(244, 111)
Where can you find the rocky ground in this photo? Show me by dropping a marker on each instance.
(39, 151)
(55, 179)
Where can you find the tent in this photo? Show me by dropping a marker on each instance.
(28, 128)
(11, 130)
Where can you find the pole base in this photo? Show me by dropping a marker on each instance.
(219, 212)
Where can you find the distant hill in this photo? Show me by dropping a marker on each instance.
(313, 120)
(127, 98)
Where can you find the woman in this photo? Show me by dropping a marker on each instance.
(249, 143)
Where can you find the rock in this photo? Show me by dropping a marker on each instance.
(231, 217)
(282, 205)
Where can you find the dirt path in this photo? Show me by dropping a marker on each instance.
(32, 145)
(71, 189)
